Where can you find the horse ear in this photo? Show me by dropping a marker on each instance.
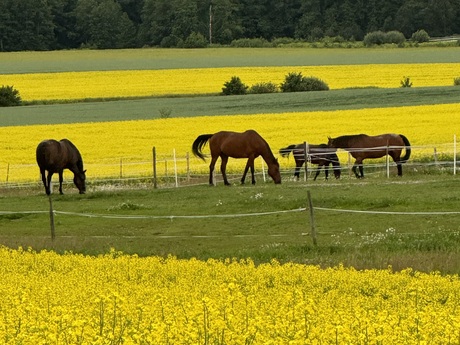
(84, 171)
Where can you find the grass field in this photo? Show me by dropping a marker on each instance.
(349, 114)
(148, 222)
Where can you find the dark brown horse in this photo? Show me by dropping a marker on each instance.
(248, 145)
(362, 146)
(55, 156)
(321, 154)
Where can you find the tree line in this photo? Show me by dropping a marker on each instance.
(103, 24)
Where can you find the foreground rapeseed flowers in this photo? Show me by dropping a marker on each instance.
(137, 83)
(46, 298)
(425, 126)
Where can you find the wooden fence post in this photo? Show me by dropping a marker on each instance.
(312, 219)
(154, 153)
(53, 235)
(187, 159)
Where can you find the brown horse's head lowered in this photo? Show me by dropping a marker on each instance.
(248, 145)
(55, 156)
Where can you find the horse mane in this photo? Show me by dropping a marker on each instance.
(347, 140)
(270, 153)
(79, 161)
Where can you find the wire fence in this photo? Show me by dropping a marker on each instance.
(169, 170)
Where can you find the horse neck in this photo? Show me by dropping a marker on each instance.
(345, 141)
(268, 156)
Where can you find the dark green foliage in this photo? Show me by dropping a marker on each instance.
(264, 87)
(380, 37)
(405, 82)
(374, 38)
(250, 43)
(457, 81)
(420, 36)
(9, 96)
(395, 37)
(234, 87)
(195, 40)
(295, 82)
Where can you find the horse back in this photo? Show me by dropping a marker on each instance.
(47, 155)
(54, 156)
(238, 145)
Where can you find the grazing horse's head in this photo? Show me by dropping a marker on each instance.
(274, 172)
(79, 180)
(330, 142)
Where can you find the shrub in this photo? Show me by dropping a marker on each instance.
(9, 96)
(267, 87)
(295, 82)
(457, 81)
(165, 113)
(282, 41)
(374, 37)
(234, 87)
(195, 40)
(380, 37)
(405, 82)
(420, 36)
(250, 43)
(395, 37)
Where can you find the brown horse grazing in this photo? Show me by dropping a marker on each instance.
(362, 146)
(248, 145)
(55, 156)
(321, 154)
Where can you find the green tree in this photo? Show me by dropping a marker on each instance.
(309, 25)
(224, 22)
(65, 31)
(29, 25)
(103, 24)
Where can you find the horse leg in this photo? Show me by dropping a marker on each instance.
(358, 165)
(246, 168)
(44, 180)
(361, 170)
(326, 170)
(396, 158)
(354, 169)
(211, 170)
(298, 165)
(252, 172)
(249, 164)
(60, 181)
(223, 167)
(318, 171)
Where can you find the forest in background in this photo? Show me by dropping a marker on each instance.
(103, 24)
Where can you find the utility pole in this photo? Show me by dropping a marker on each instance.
(210, 23)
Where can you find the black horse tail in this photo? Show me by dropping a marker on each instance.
(407, 145)
(199, 143)
(287, 150)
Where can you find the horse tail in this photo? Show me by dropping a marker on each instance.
(407, 146)
(284, 152)
(199, 143)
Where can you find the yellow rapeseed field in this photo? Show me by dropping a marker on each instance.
(81, 85)
(425, 126)
(118, 299)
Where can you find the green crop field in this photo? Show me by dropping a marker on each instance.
(138, 59)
